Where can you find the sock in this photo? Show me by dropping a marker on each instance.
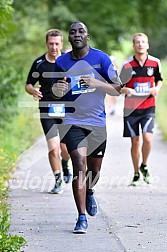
(58, 179)
(143, 166)
(82, 217)
(65, 167)
(89, 191)
(137, 174)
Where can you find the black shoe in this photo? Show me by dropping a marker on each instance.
(136, 179)
(146, 175)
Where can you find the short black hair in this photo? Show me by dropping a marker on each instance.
(79, 22)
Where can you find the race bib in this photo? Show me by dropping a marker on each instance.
(56, 110)
(142, 88)
(78, 88)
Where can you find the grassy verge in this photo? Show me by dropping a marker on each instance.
(15, 138)
(161, 111)
(7, 241)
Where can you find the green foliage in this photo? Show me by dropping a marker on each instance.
(60, 15)
(16, 55)
(158, 46)
(6, 20)
(12, 144)
(24, 129)
(7, 241)
(8, 89)
(22, 38)
(109, 22)
(161, 112)
(10, 243)
(110, 17)
(8, 93)
(5, 164)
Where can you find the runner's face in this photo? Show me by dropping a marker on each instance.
(54, 45)
(78, 36)
(141, 45)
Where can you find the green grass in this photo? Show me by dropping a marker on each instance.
(7, 241)
(20, 133)
(17, 135)
(161, 111)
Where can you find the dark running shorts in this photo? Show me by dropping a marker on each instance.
(92, 137)
(132, 124)
(52, 127)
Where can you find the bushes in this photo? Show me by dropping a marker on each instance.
(15, 122)
(9, 91)
(13, 143)
(161, 112)
(7, 242)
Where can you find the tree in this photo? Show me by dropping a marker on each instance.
(6, 20)
(110, 21)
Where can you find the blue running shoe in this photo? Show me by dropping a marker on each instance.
(68, 178)
(57, 190)
(91, 204)
(81, 225)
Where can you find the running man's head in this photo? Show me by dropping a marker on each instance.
(54, 42)
(78, 35)
(140, 43)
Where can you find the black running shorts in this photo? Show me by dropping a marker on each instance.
(92, 137)
(52, 127)
(132, 124)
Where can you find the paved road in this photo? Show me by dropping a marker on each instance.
(130, 219)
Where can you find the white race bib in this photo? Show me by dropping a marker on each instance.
(78, 88)
(56, 110)
(142, 88)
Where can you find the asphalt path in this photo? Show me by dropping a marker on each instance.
(129, 218)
